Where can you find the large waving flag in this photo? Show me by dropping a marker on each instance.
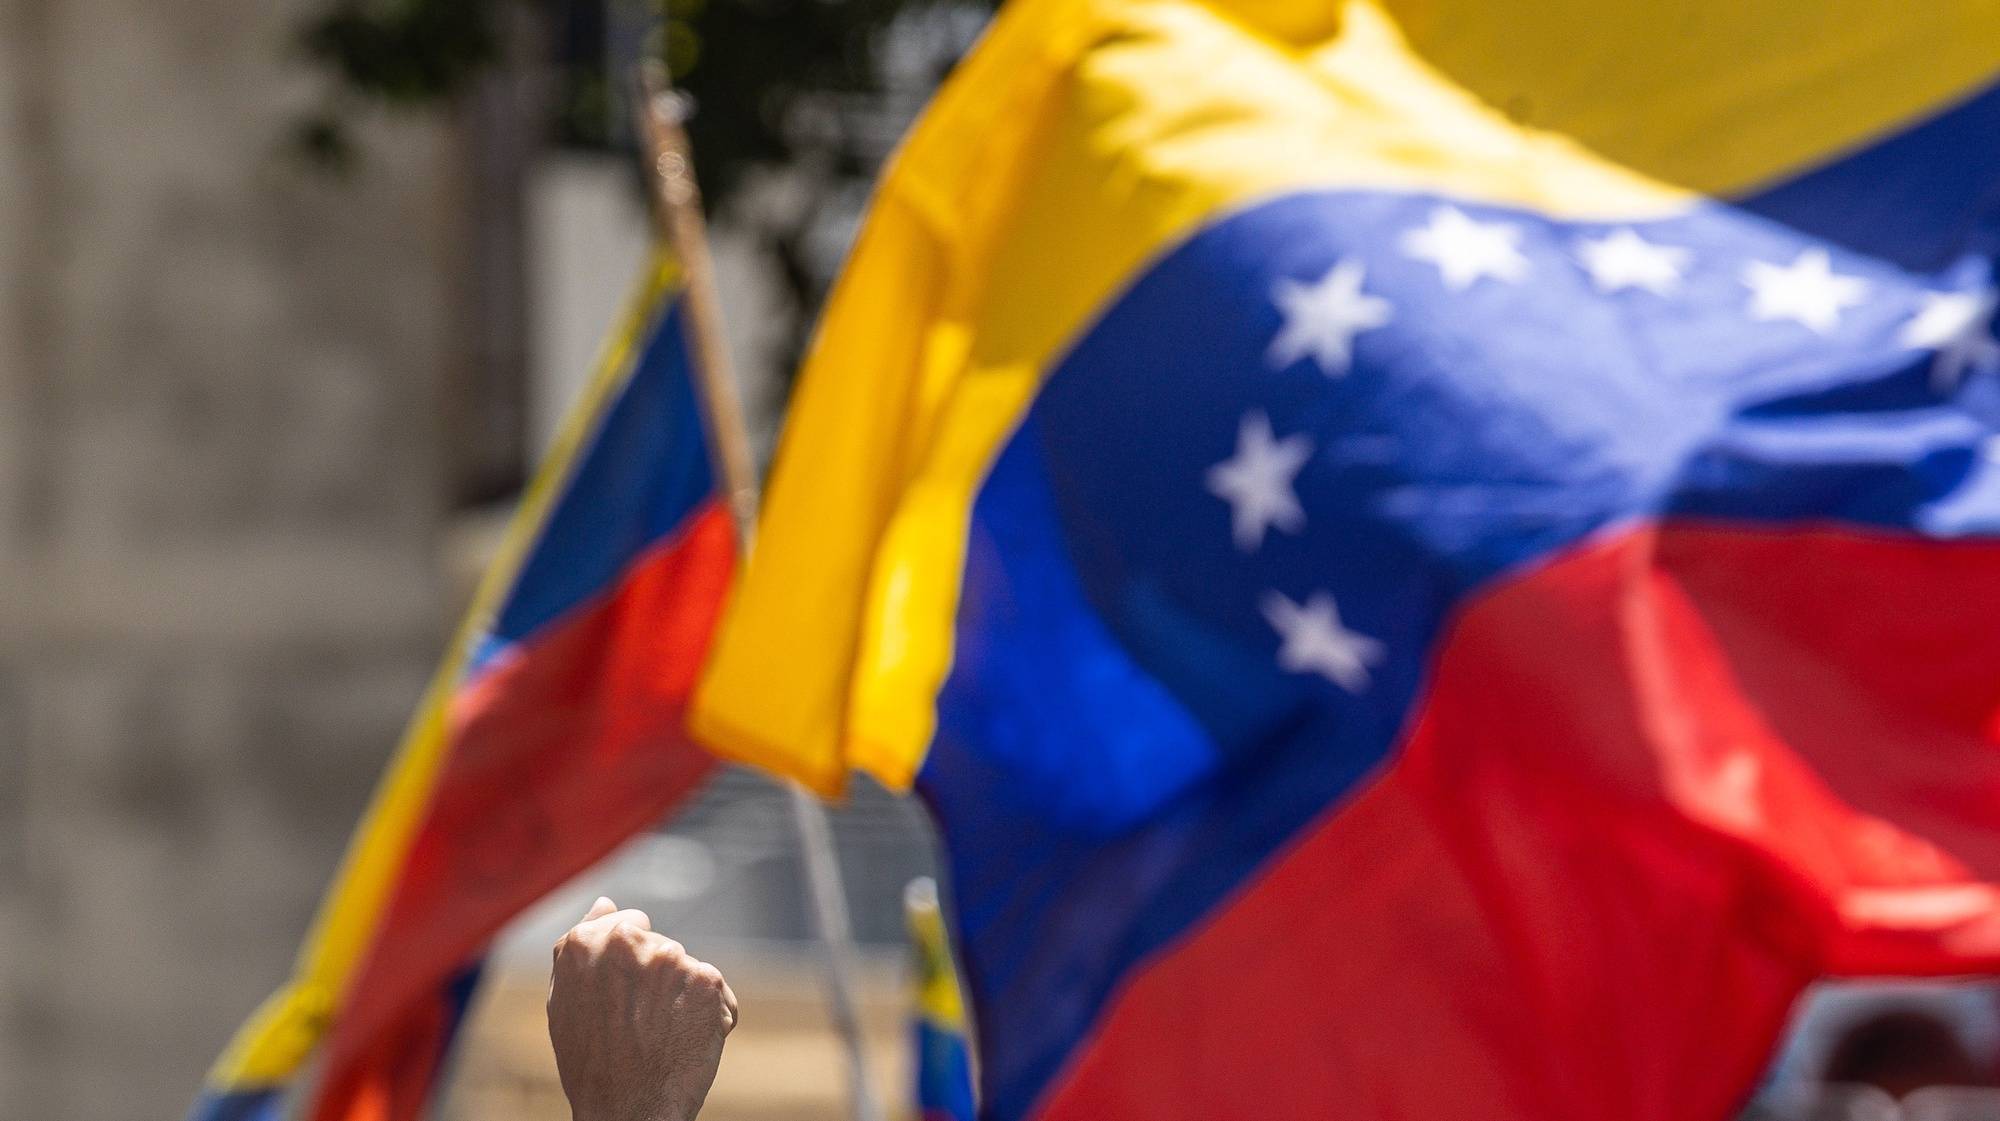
(1433, 559)
(552, 732)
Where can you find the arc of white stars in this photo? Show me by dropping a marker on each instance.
(1622, 259)
(1323, 317)
(1314, 640)
(1807, 291)
(1257, 481)
(1465, 250)
(1959, 327)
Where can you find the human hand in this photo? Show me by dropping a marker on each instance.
(637, 1023)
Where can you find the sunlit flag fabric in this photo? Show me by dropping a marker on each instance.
(1432, 559)
(552, 732)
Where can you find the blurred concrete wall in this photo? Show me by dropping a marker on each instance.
(219, 489)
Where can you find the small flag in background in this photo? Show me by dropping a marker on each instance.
(942, 1056)
(553, 731)
(1431, 558)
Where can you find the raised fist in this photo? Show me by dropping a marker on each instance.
(637, 1023)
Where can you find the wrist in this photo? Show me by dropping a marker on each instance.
(657, 1113)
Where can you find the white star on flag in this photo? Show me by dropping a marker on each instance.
(1622, 259)
(1959, 326)
(1806, 291)
(1322, 318)
(1464, 250)
(1257, 481)
(1314, 641)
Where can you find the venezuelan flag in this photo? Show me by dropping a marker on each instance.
(553, 731)
(1431, 558)
(942, 1056)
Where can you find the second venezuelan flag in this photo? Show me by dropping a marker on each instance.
(552, 732)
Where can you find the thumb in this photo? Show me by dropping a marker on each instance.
(604, 906)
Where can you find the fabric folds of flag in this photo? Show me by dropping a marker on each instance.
(941, 1054)
(553, 731)
(1431, 559)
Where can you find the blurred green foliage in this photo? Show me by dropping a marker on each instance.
(407, 52)
(791, 84)
(751, 66)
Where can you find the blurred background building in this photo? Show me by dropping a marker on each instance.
(261, 411)
(226, 474)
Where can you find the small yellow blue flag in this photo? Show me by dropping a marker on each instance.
(942, 1054)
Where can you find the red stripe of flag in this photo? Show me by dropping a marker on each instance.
(1655, 788)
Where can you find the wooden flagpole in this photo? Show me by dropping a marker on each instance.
(670, 174)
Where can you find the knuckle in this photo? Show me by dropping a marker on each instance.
(570, 953)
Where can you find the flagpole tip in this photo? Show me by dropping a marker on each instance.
(921, 894)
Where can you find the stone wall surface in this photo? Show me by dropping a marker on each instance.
(219, 499)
